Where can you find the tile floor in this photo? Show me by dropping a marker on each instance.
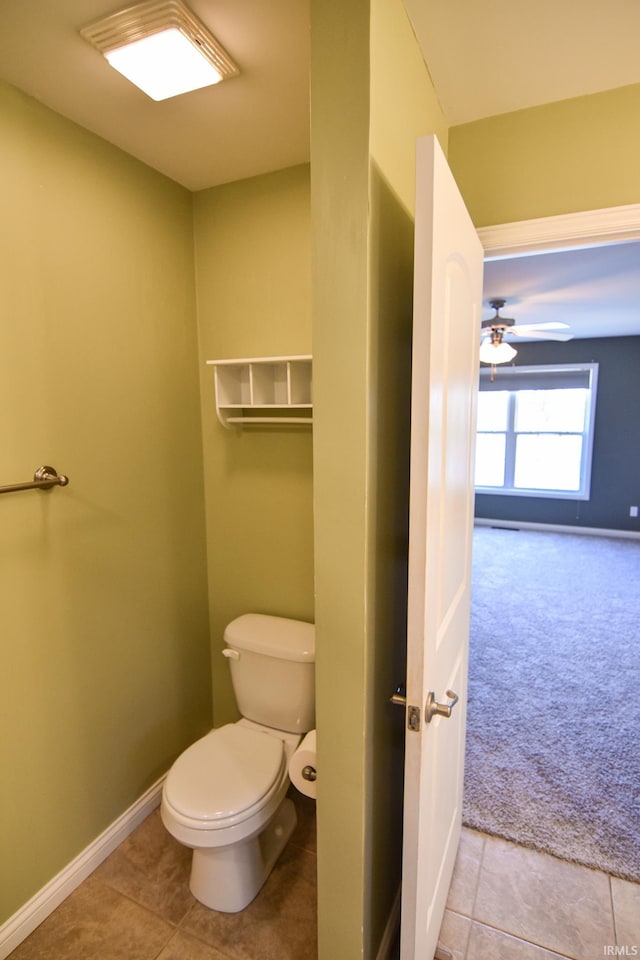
(137, 906)
(505, 902)
(509, 902)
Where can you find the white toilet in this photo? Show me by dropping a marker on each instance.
(225, 795)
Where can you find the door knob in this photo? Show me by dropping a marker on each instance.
(432, 708)
(399, 697)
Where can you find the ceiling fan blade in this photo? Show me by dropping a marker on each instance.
(555, 325)
(523, 329)
(545, 335)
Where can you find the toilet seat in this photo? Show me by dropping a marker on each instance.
(225, 778)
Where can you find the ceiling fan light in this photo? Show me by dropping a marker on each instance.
(498, 352)
(161, 47)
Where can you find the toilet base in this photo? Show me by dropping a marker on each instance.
(229, 878)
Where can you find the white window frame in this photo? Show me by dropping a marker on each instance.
(545, 376)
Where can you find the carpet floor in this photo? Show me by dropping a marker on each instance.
(553, 741)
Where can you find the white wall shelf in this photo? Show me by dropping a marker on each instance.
(263, 390)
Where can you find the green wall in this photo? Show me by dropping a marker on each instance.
(104, 589)
(104, 671)
(564, 157)
(404, 104)
(253, 277)
(365, 62)
(339, 216)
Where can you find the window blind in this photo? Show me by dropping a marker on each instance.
(552, 377)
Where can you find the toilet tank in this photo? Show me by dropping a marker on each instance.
(272, 663)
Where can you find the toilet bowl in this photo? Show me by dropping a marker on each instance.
(225, 796)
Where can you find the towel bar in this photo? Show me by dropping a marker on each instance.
(43, 479)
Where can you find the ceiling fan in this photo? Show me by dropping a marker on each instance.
(493, 348)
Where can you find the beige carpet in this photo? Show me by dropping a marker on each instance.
(553, 743)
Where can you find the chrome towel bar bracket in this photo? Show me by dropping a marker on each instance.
(43, 479)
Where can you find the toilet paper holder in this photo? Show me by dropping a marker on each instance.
(309, 773)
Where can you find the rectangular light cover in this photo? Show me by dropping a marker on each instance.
(164, 65)
(161, 47)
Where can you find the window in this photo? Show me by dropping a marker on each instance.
(535, 431)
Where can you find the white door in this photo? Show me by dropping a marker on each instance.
(446, 335)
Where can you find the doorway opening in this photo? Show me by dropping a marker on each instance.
(526, 581)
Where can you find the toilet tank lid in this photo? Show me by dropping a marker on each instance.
(272, 636)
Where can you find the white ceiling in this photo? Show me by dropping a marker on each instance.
(251, 124)
(484, 59)
(595, 290)
(490, 58)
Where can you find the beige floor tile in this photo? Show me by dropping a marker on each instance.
(152, 868)
(466, 872)
(454, 934)
(280, 924)
(626, 912)
(485, 943)
(554, 904)
(97, 923)
(183, 947)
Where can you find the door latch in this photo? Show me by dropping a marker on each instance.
(413, 713)
(413, 718)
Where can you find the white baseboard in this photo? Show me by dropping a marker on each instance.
(29, 916)
(557, 528)
(390, 930)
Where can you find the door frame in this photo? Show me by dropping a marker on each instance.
(571, 230)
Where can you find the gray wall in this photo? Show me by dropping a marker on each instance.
(615, 477)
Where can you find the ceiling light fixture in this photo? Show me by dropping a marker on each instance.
(162, 48)
(493, 350)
